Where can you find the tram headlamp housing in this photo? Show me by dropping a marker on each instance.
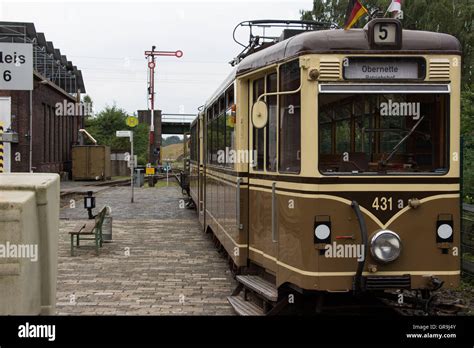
(444, 231)
(322, 232)
(385, 246)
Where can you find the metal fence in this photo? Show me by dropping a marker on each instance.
(467, 241)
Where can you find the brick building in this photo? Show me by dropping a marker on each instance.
(43, 137)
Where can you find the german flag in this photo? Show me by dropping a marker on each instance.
(355, 10)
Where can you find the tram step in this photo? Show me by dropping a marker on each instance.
(260, 286)
(243, 307)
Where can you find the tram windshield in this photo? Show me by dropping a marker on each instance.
(383, 133)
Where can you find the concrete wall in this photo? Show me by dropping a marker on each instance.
(119, 165)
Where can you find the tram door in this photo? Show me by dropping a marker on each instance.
(5, 123)
(263, 202)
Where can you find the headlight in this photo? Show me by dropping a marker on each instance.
(445, 231)
(385, 246)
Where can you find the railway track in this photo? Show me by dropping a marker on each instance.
(414, 305)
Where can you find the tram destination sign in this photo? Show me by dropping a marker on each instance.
(16, 66)
(356, 68)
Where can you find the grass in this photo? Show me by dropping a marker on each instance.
(171, 152)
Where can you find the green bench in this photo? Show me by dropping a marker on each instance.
(93, 227)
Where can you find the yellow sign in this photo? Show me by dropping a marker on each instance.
(131, 121)
(150, 171)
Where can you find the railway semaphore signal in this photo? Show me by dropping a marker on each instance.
(150, 56)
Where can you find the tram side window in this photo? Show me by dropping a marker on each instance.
(208, 137)
(221, 142)
(271, 128)
(221, 131)
(221, 104)
(230, 121)
(290, 119)
(258, 134)
(196, 142)
(214, 136)
(192, 139)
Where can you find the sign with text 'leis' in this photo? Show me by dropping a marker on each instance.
(16, 66)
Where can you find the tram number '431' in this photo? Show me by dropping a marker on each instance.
(383, 203)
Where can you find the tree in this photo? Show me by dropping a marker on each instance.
(467, 132)
(105, 124)
(171, 140)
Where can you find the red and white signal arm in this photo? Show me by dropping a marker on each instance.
(151, 65)
(179, 53)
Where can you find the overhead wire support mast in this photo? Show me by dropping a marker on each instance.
(150, 56)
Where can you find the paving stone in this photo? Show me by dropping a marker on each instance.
(169, 256)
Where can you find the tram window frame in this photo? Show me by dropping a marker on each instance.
(436, 128)
(191, 143)
(271, 129)
(258, 134)
(221, 102)
(196, 142)
(208, 136)
(221, 161)
(214, 140)
(215, 110)
(230, 122)
(230, 96)
(289, 133)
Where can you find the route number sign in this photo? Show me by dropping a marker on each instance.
(385, 33)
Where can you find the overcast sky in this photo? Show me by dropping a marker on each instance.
(107, 40)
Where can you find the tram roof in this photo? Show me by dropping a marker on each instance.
(352, 41)
(338, 41)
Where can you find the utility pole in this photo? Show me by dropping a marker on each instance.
(150, 56)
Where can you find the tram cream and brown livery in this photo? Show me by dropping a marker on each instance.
(353, 174)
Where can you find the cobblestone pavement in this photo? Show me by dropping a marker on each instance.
(159, 263)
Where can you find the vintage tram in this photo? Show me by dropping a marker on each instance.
(330, 162)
